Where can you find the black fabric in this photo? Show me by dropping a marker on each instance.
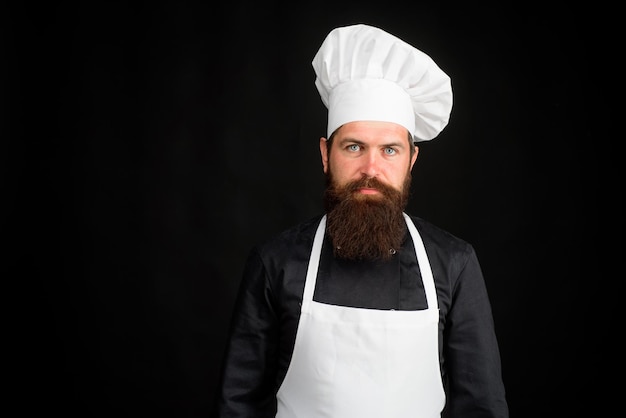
(394, 284)
(266, 317)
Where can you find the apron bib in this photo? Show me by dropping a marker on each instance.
(355, 362)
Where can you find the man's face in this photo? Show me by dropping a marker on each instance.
(369, 149)
(368, 175)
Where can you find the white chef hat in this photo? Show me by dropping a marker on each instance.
(365, 73)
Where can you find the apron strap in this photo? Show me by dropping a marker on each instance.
(314, 261)
(424, 264)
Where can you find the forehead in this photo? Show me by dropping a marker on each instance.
(372, 132)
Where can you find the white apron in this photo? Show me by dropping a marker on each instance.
(360, 363)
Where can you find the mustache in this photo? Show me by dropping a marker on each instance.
(371, 183)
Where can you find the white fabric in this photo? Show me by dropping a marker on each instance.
(351, 68)
(365, 363)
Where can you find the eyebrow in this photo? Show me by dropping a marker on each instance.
(359, 142)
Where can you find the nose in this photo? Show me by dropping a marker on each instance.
(370, 165)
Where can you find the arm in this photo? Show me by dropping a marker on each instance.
(247, 383)
(472, 357)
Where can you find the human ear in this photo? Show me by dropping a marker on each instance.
(414, 156)
(324, 153)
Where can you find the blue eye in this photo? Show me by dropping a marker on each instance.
(354, 147)
(390, 151)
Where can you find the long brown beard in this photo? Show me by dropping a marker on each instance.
(365, 227)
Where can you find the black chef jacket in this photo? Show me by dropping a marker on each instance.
(267, 311)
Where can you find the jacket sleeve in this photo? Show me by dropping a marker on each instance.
(472, 358)
(247, 380)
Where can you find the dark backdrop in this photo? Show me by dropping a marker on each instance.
(147, 146)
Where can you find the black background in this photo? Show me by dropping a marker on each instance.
(147, 146)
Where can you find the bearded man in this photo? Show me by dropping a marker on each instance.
(366, 311)
(365, 213)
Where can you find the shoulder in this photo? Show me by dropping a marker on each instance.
(278, 265)
(291, 244)
(296, 235)
(453, 261)
(443, 246)
(438, 237)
